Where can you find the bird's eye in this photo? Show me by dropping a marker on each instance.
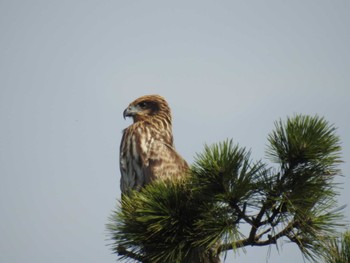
(143, 104)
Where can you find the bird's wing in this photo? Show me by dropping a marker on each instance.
(163, 162)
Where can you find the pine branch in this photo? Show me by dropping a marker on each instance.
(122, 251)
(242, 214)
(255, 241)
(257, 223)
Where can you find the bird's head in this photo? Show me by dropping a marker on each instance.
(148, 107)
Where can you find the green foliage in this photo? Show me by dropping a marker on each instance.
(201, 215)
(162, 223)
(155, 222)
(337, 250)
(305, 140)
(225, 172)
(224, 177)
(308, 152)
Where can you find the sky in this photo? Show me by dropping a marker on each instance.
(229, 69)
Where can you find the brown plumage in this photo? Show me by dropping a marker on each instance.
(147, 151)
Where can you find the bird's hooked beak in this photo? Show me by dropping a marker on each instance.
(126, 113)
(129, 111)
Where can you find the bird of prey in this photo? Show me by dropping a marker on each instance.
(147, 153)
(147, 150)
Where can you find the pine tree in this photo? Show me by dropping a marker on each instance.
(291, 199)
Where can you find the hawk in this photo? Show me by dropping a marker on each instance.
(147, 150)
(147, 153)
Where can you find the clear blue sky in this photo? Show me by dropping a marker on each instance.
(229, 69)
